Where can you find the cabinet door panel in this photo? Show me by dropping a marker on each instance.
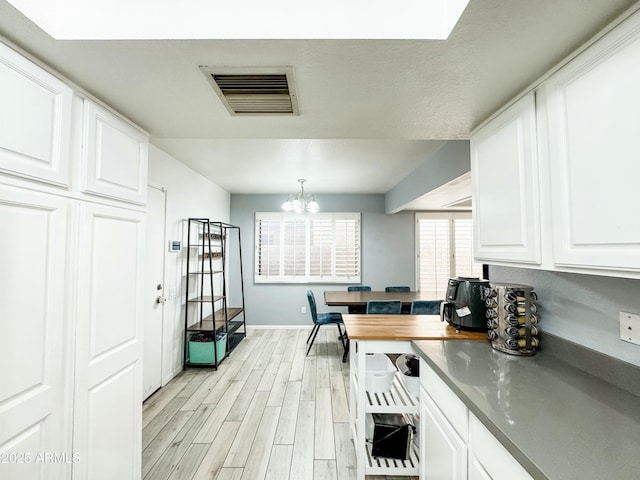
(494, 460)
(108, 367)
(33, 356)
(35, 120)
(115, 156)
(593, 114)
(443, 452)
(505, 186)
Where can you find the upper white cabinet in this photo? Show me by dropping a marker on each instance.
(555, 175)
(504, 169)
(115, 156)
(593, 116)
(35, 121)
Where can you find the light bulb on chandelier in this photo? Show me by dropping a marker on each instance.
(301, 202)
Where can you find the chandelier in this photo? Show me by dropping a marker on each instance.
(301, 202)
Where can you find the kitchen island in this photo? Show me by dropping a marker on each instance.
(388, 334)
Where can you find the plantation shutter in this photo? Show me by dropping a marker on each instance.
(464, 264)
(268, 256)
(347, 242)
(321, 247)
(445, 250)
(434, 256)
(294, 247)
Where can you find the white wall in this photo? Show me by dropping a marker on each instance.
(189, 194)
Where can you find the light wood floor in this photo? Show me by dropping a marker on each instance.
(267, 413)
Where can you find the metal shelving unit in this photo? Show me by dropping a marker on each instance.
(212, 305)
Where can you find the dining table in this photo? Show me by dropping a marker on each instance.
(344, 298)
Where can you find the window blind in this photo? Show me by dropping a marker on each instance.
(318, 248)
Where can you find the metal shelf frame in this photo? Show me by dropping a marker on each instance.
(207, 309)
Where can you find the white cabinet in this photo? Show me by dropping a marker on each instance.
(443, 453)
(34, 348)
(454, 444)
(593, 106)
(108, 393)
(504, 169)
(555, 175)
(35, 121)
(115, 156)
(70, 288)
(489, 458)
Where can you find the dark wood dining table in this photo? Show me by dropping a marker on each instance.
(343, 298)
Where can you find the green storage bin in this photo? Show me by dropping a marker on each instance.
(203, 352)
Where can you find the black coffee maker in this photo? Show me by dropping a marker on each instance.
(464, 304)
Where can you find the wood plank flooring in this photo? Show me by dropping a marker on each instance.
(268, 413)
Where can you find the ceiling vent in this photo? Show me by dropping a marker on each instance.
(256, 91)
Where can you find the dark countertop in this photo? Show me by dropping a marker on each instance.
(558, 421)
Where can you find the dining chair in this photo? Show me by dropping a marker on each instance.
(358, 308)
(390, 307)
(397, 288)
(425, 307)
(320, 319)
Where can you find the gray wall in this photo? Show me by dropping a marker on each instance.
(388, 255)
(581, 308)
(446, 164)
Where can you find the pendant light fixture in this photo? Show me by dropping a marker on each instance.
(301, 202)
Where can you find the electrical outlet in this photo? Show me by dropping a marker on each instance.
(630, 327)
(303, 310)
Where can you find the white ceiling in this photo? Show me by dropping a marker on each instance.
(370, 110)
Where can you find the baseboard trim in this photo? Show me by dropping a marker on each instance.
(279, 327)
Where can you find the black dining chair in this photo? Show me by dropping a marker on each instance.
(320, 319)
(425, 307)
(358, 288)
(390, 307)
(397, 288)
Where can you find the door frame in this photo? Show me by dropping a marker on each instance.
(163, 336)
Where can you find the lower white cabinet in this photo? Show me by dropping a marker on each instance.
(476, 471)
(454, 444)
(443, 454)
(489, 458)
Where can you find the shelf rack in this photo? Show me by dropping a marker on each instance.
(214, 253)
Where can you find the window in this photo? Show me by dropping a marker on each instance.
(445, 250)
(318, 248)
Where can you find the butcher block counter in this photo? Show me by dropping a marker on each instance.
(388, 334)
(404, 327)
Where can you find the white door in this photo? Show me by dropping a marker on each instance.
(108, 400)
(154, 292)
(34, 353)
